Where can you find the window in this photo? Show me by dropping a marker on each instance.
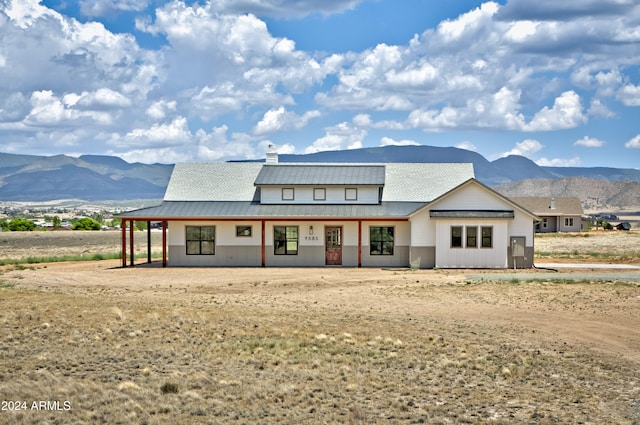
(319, 194)
(242, 231)
(456, 237)
(287, 194)
(568, 221)
(381, 240)
(201, 240)
(351, 194)
(285, 240)
(545, 222)
(487, 237)
(472, 237)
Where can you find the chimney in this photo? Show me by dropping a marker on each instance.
(272, 155)
(552, 205)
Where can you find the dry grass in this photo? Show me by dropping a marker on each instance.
(306, 346)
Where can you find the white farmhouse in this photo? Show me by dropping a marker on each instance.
(418, 215)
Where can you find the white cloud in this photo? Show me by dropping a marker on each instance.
(160, 109)
(558, 162)
(277, 120)
(589, 142)
(111, 7)
(634, 143)
(525, 148)
(362, 120)
(467, 145)
(629, 95)
(599, 109)
(285, 8)
(566, 113)
(158, 135)
(388, 141)
(339, 137)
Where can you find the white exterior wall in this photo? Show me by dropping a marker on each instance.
(304, 195)
(225, 232)
(494, 257)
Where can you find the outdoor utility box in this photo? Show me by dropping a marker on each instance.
(517, 246)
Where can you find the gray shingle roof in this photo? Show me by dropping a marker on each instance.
(541, 206)
(234, 181)
(321, 174)
(224, 181)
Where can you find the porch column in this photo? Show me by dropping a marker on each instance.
(148, 241)
(131, 259)
(262, 245)
(359, 243)
(123, 230)
(164, 243)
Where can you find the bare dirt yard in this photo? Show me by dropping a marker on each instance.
(91, 342)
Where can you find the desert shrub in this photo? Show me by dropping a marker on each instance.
(21, 224)
(86, 224)
(169, 388)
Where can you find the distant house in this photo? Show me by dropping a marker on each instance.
(557, 214)
(419, 215)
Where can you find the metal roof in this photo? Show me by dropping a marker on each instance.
(321, 174)
(239, 209)
(472, 213)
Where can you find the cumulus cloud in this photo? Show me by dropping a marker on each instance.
(525, 148)
(285, 8)
(634, 143)
(277, 120)
(467, 146)
(388, 141)
(158, 135)
(565, 113)
(96, 8)
(589, 142)
(558, 162)
(629, 95)
(338, 137)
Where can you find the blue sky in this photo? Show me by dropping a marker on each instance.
(171, 81)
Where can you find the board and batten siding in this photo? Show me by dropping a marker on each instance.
(494, 257)
(304, 195)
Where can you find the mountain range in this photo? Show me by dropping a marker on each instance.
(97, 177)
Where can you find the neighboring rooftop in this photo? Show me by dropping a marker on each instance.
(548, 205)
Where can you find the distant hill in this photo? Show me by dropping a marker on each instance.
(90, 177)
(594, 194)
(99, 177)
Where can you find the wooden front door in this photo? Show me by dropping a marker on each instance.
(333, 246)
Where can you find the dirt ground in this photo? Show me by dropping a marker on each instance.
(320, 345)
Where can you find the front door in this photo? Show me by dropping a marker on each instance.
(333, 246)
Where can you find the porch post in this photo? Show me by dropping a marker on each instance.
(262, 245)
(131, 259)
(359, 243)
(123, 230)
(164, 243)
(148, 241)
